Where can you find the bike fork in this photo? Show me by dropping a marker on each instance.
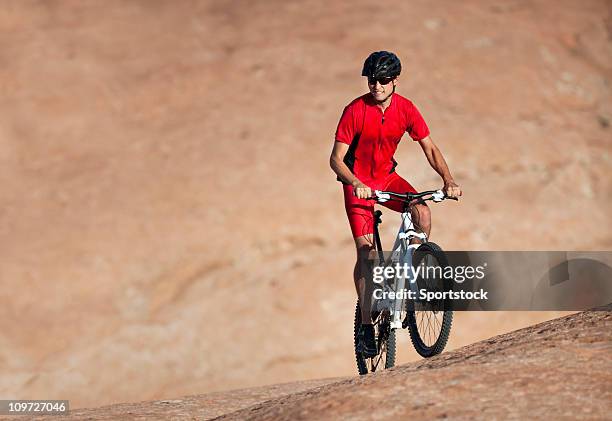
(406, 283)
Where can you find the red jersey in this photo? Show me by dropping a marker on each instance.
(373, 136)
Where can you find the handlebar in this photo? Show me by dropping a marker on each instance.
(436, 195)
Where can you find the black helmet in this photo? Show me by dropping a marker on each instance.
(381, 64)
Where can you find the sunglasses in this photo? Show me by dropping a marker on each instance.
(382, 80)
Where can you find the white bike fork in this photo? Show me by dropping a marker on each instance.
(404, 250)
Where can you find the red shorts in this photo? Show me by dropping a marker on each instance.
(360, 212)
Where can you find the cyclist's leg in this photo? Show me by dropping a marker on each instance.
(360, 214)
(363, 285)
(421, 216)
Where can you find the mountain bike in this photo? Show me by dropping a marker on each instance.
(428, 321)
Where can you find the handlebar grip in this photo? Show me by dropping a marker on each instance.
(452, 198)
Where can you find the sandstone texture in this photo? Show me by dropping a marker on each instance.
(559, 369)
(169, 223)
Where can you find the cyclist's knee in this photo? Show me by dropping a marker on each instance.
(422, 207)
(422, 212)
(364, 246)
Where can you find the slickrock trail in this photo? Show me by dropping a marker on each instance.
(166, 199)
(559, 369)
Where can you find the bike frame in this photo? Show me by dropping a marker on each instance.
(405, 251)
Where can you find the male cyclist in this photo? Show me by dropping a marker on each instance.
(367, 136)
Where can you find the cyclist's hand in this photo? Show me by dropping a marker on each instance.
(451, 189)
(361, 190)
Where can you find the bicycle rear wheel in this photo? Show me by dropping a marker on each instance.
(429, 323)
(385, 340)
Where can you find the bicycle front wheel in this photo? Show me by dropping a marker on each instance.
(429, 323)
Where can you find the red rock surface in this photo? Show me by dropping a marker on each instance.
(168, 221)
(560, 369)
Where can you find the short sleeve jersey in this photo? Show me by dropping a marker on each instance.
(373, 136)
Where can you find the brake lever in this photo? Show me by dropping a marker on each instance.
(381, 197)
(438, 196)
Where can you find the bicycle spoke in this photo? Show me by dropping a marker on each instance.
(420, 321)
(438, 322)
(429, 333)
(429, 325)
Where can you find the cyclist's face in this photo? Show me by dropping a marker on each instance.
(381, 88)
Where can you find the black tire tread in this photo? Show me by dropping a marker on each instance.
(447, 318)
(361, 363)
(391, 348)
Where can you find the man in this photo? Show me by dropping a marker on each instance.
(367, 136)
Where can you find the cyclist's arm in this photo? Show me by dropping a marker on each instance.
(438, 163)
(336, 162)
